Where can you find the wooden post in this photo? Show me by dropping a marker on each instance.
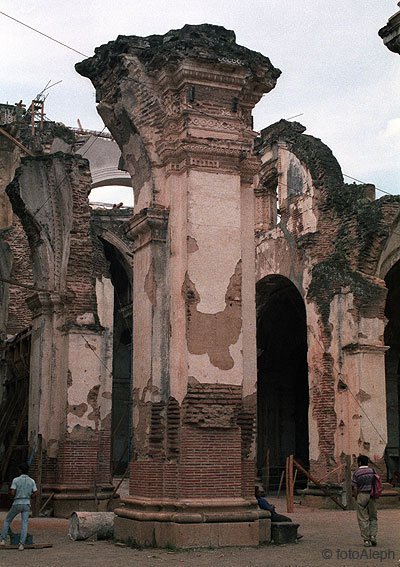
(348, 488)
(117, 487)
(317, 483)
(41, 114)
(267, 474)
(96, 500)
(14, 438)
(114, 433)
(120, 422)
(33, 118)
(287, 485)
(291, 491)
(47, 501)
(5, 133)
(280, 484)
(36, 504)
(121, 457)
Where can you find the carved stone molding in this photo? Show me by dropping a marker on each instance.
(249, 166)
(223, 155)
(358, 348)
(41, 303)
(150, 225)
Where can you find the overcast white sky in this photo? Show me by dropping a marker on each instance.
(335, 68)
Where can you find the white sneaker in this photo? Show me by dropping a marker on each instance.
(2, 543)
(20, 547)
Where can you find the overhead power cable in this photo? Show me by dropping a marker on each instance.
(365, 183)
(44, 34)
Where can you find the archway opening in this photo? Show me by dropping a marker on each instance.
(392, 370)
(282, 383)
(109, 196)
(122, 357)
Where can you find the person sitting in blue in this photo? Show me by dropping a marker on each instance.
(265, 505)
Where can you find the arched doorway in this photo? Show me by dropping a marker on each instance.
(121, 275)
(392, 370)
(282, 383)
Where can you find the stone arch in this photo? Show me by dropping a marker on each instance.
(392, 370)
(117, 254)
(388, 269)
(390, 252)
(105, 159)
(282, 384)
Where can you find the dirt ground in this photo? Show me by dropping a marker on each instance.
(331, 538)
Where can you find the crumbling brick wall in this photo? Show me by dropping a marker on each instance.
(19, 314)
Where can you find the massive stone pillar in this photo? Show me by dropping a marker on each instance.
(179, 107)
(72, 318)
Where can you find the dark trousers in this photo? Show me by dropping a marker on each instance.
(279, 518)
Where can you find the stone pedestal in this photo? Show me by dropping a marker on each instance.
(284, 532)
(191, 523)
(179, 107)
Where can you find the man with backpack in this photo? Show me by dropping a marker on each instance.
(363, 483)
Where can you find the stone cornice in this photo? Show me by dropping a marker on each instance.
(204, 73)
(149, 225)
(44, 302)
(182, 154)
(360, 348)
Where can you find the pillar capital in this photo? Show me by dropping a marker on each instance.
(44, 302)
(178, 99)
(148, 226)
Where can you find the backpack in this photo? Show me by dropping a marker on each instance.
(377, 487)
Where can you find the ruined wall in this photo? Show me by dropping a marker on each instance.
(328, 241)
(70, 390)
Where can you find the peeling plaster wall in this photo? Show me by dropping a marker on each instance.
(214, 278)
(296, 192)
(216, 222)
(89, 371)
(181, 247)
(142, 316)
(89, 392)
(359, 371)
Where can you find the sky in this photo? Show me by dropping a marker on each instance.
(336, 71)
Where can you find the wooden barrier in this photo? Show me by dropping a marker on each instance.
(317, 483)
